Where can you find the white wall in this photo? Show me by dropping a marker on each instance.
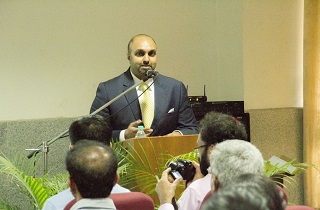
(273, 53)
(53, 54)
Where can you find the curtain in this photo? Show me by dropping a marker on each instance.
(311, 102)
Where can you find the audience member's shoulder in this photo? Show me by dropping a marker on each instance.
(199, 183)
(59, 200)
(119, 189)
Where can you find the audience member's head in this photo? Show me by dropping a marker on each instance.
(247, 192)
(233, 158)
(92, 167)
(91, 127)
(214, 128)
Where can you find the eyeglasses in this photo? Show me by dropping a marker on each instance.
(199, 147)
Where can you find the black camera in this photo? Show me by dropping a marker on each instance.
(182, 169)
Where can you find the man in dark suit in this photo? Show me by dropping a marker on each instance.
(172, 112)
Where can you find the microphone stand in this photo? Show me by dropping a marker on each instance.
(45, 145)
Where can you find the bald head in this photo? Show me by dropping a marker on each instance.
(92, 167)
(139, 36)
(142, 55)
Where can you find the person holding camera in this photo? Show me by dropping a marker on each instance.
(215, 127)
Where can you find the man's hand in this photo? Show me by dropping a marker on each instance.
(148, 131)
(166, 189)
(197, 175)
(132, 129)
(174, 133)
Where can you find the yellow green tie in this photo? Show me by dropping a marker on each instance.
(147, 106)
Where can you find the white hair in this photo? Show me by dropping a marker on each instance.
(232, 158)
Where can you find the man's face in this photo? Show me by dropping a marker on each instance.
(203, 155)
(142, 56)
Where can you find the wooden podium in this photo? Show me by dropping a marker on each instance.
(150, 154)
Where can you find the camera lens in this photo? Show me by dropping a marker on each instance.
(173, 165)
(183, 168)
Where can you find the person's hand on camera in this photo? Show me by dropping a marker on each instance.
(165, 189)
(198, 174)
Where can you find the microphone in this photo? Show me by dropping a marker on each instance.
(150, 74)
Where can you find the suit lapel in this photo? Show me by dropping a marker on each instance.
(131, 95)
(160, 99)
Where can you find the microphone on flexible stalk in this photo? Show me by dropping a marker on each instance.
(150, 74)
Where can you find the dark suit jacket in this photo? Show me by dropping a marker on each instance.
(169, 93)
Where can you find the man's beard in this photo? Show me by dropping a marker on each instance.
(204, 163)
(142, 69)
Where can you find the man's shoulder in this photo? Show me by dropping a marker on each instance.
(59, 200)
(164, 77)
(119, 189)
(199, 183)
(62, 194)
(168, 81)
(195, 193)
(117, 78)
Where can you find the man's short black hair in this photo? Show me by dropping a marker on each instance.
(216, 127)
(91, 127)
(92, 166)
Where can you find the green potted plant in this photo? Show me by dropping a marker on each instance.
(133, 166)
(20, 172)
(138, 168)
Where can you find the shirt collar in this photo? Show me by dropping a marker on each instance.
(103, 203)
